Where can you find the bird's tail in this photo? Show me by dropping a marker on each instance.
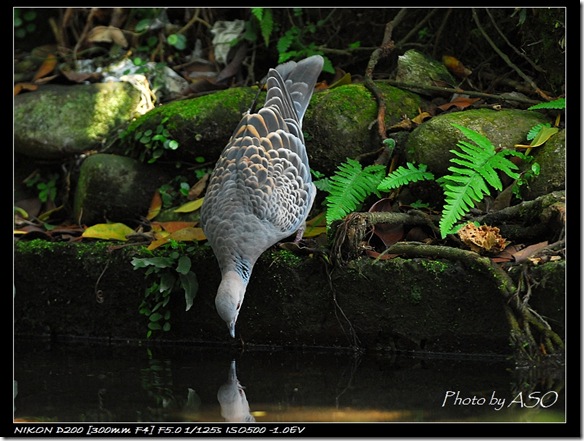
(298, 78)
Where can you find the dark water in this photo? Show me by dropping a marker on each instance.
(84, 382)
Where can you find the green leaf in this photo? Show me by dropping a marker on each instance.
(286, 40)
(113, 231)
(467, 185)
(184, 265)
(179, 41)
(170, 144)
(535, 130)
(350, 186)
(267, 25)
(543, 135)
(167, 280)
(190, 285)
(404, 176)
(558, 104)
(154, 326)
(158, 262)
(143, 25)
(155, 317)
(258, 13)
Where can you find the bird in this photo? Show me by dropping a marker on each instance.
(260, 191)
(232, 399)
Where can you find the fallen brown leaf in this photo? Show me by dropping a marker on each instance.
(107, 34)
(47, 66)
(527, 252)
(19, 87)
(459, 102)
(455, 66)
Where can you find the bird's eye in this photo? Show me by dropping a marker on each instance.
(238, 306)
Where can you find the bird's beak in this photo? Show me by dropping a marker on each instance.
(231, 327)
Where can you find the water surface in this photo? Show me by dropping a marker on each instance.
(88, 382)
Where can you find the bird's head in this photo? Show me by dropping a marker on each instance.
(229, 299)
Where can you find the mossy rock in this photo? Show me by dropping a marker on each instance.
(431, 142)
(337, 124)
(59, 121)
(202, 126)
(340, 122)
(551, 158)
(113, 188)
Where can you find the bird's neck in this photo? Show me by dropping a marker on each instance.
(241, 267)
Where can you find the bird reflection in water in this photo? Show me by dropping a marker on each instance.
(234, 405)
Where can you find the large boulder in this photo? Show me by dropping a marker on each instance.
(114, 188)
(59, 121)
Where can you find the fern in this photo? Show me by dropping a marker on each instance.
(559, 104)
(536, 129)
(404, 176)
(350, 186)
(266, 21)
(286, 41)
(468, 184)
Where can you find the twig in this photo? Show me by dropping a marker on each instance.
(192, 21)
(517, 51)
(85, 31)
(382, 51)
(506, 58)
(439, 33)
(416, 28)
(460, 91)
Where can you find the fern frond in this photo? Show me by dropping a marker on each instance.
(286, 40)
(350, 186)
(558, 104)
(535, 130)
(267, 25)
(467, 184)
(404, 176)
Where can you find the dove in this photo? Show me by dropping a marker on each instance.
(232, 399)
(260, 191)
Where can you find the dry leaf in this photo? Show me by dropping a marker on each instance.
(196, 190)
(107, 34)
(155, 206)
(380, 256)
(80, 77)
(420, 118)
(342, 81)
(527, 252)
(388, 233)
(404, 124)
(456, 67)
(483, 239)
(46, 67)
(18, 87)
(173, 226)
(460, 102)
(188, 234)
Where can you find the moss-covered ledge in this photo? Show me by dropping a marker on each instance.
(409, 304)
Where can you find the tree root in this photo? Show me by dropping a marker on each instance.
(530, 335)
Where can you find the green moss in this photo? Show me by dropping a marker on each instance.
(83, 250)
(285, 257)
(354, 102)
(415, 295)
(35, 246)
(229, 100)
